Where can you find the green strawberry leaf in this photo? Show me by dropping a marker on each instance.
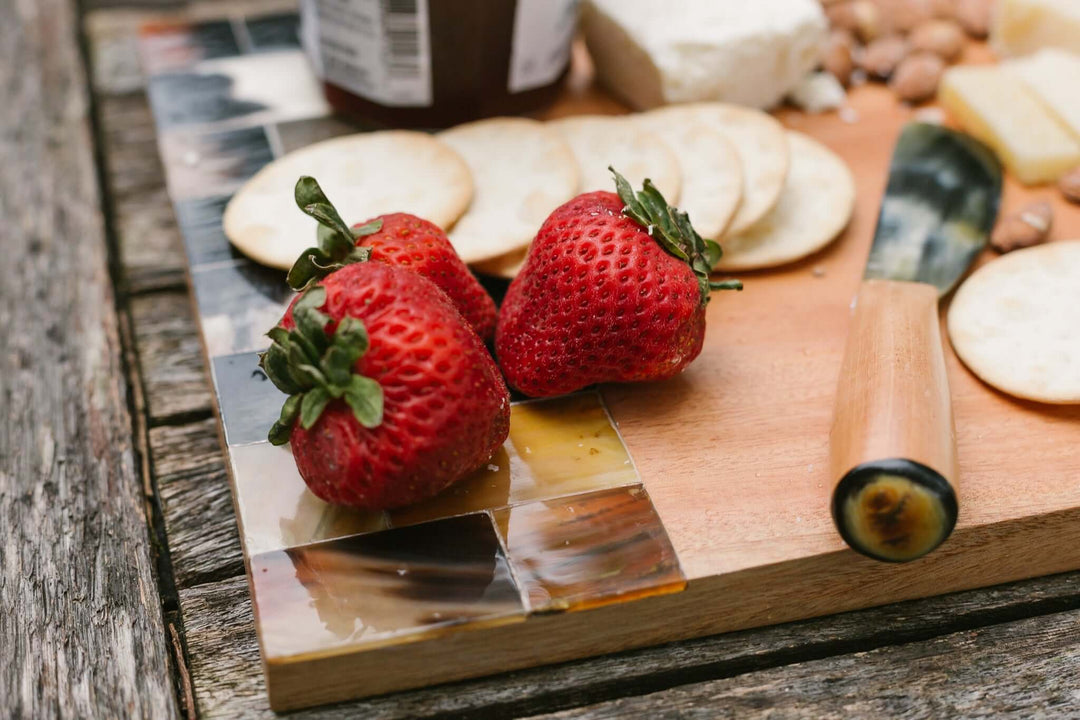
(312, 406)
(314, 367)
(279, 432)
(336, 241)
(275, 363)
(671, 229)
(365, 397)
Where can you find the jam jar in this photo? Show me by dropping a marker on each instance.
(436, 63)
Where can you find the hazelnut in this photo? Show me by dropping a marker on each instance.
(1028, 227)
(869, 23)
(1069, 184)
(917, 76)
(908, 14)
(882, 56)
(974, 16)
(841, 16)
(837, 59)
(861, 17)
(944, 38)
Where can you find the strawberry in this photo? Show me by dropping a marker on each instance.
(396, 238)
(613, 290)
(392, 396)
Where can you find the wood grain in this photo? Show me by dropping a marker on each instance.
(171, 364)
(1029, 668)
(229, 681)
(81, 625)
(893, 396)
(196, 504)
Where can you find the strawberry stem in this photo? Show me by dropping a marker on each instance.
(336, 240)
(671, 229)
(313, 368)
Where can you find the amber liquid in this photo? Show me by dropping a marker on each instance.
(470, 60)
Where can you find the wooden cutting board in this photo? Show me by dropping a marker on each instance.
(732, 454)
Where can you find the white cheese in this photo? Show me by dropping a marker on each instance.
(818, 92)
(1054, 77)
(1023, 26)
(747, 52)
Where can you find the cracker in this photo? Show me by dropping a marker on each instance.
(505, 266)
(1016, 323)
(712, 176)
(599, 141)
(759, 140)
(521, 171)
(364, 175)
(815, 206)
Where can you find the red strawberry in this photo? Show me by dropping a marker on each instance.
(399, 239)
(392, 397)
(613, 290)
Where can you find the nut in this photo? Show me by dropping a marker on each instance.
(883, 55)
(974, 16)
(869, 23)
(841, 16)
(1023, 229)
(908, 14)
(861, 17)
(944, 38)
(837, 59)
(916, 78)
(1069, 184)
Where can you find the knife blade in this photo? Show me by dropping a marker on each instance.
(892, 442)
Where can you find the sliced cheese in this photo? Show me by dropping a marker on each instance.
(738, 51)
(998, 108)
(1024, 26)
(1054, 76)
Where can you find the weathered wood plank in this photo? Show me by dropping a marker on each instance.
(1023, 669)
(228, 679)
(196, 502)
(151, 250)
(81, 626)
(170, 358)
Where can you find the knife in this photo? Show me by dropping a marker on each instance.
(893, 444)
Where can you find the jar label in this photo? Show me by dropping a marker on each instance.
(543, 30)
(377, 49)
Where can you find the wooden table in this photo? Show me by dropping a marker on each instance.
(122, 589)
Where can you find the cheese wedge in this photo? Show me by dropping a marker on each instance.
(997, 107)
(1054, 76)
(1024, 26)
(746, 52)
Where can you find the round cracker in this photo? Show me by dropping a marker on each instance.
(600, 141)
(759, 140)
(1016, 323)
(521, 171)
(505, 266)
(815, 206)
(364, 175)
(712, 177)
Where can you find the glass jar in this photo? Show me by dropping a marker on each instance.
(436, 63)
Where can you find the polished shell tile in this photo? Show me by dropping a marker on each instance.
(199, 165)
(239, 301)
(381, 588)
(204, 237)
(175, 45)
(248, 401)
(278, 511)
(240, 91)
(589, 550)
(556, 447)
